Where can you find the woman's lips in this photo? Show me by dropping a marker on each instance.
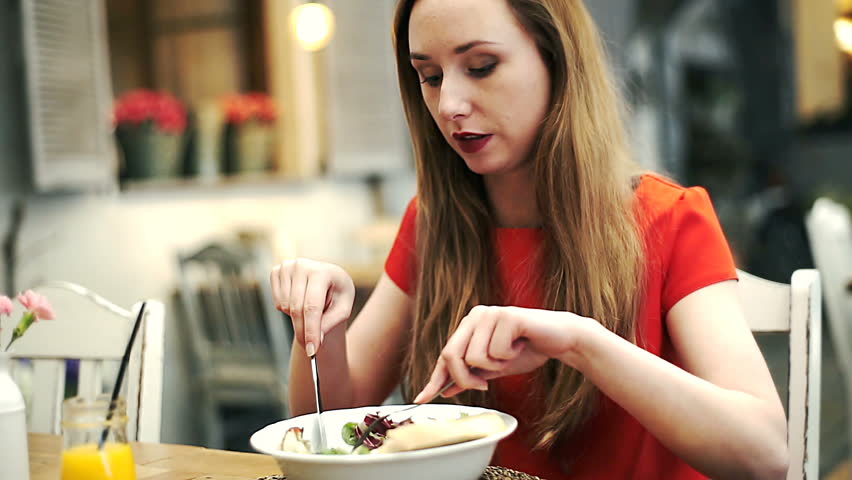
(470, 143)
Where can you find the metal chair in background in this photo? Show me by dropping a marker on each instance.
(240, 342)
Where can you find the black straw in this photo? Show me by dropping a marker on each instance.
(124, 361)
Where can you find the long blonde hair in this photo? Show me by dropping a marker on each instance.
(592, 248)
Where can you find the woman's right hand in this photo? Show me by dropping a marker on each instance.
(317, 296)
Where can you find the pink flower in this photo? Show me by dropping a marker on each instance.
(37, 304)
(6, 306)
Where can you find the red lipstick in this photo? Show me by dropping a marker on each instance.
(471, 142)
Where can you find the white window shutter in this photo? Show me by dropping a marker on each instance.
(69, 95)
(367, 129)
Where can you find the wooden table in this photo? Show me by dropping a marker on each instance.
(159, 461)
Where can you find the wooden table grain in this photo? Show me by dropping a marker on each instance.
(160, 461)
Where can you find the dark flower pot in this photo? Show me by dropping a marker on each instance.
(247, 148)
(148, 152)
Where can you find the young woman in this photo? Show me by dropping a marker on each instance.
(596, 303)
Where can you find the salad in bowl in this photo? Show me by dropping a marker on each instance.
(430, 442)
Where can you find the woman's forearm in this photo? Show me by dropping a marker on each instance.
(359, 365)
(336, 382)
(721, 432)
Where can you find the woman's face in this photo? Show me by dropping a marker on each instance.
(483, 80)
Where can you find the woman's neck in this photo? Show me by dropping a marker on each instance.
(513, 201)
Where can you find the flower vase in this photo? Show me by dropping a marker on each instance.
(14, 459)
(204, 145)
(248, 147)
(148, 152)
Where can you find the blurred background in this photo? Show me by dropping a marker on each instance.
(176, 150)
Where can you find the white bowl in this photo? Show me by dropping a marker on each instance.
(462, 461)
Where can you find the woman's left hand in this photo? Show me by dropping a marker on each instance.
(501, 341)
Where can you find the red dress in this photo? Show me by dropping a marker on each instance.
(686, 251)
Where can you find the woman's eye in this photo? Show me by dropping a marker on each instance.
(482, 71)
(432, 81)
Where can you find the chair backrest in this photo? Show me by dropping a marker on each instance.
(230, 313)
(96, 338)
(794, 309)
(830, 234)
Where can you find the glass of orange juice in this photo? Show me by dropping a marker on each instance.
(83, 423)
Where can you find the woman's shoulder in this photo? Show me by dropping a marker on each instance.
(660, 197)
(411, 208)
(658, 189)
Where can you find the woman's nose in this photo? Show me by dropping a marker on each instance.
(455, 101)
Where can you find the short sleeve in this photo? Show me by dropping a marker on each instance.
(699, 252)
(401, 264)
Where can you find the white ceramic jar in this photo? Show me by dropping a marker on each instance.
(14, 459)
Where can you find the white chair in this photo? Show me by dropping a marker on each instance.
(97, 337)
(794, 309)
(830, 233)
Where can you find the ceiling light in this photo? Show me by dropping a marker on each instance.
(313, 25)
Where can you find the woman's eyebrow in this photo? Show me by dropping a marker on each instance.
(458, 50)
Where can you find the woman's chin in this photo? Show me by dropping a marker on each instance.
(487, 168)
(481, 166)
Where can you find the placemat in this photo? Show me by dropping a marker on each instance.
(491, 473)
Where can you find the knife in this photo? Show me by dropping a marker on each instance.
(319, 427)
